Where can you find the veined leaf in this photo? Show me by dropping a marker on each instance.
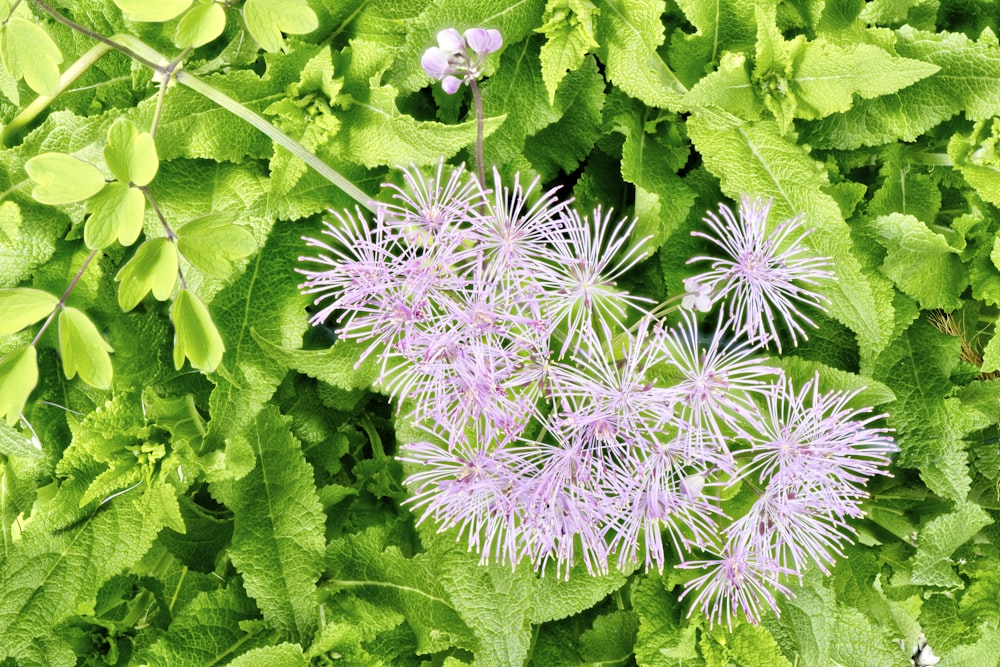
(22, 307)
(569, 33)
(213, 242)
(152, 12)
(116, 213)
(195, 335)
(267, 19)
(29, 53)
(63, 179)
(939, 539)
(18, 377)
(921, 262)
(83, 349)
(202, 24)
(130, 154)
(152, 268)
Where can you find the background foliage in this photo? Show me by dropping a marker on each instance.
(248, 513)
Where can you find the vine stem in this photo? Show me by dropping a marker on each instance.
(167, 71)
(65, 295)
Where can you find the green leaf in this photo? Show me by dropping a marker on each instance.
(277, 655)
(569, 31)
(152, 12)
(663, 640)
(267, 19)
(18, 377)
(921, 262)
(728, 88)
(22, 307)
(278, 530)
(29, 53)
(152, 268)
(202, 24)
(63, 179)
(339, 365)
(939, 539)
(130, 154)
(116, 212)
(212, 243)
(721, 27)
(630, 34)
(195, 334)
(978, 158)
(858, 642)
(84, 349)
(754, 159)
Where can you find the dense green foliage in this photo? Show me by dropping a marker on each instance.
(191, 475)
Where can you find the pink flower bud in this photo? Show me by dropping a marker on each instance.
(435, 63)
(483, 41)
(450, 40)
(450, 84)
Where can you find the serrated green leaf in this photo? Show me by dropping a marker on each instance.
(977, 157)
(22, 307)
(939, 539)
(905, 188)
(663, 640)
(278, 531)
(611, 638)
(630, 34)
(201, 25)
(18, 377)
(195, 334)
(84, 349)
(152, 268)
(130, 154)
(726, 25)
(116, 213)
(754, 159)
(63, 179)
(921, 262)
(728, 88)
(569, 32)
(267, 19)
(29, 53)
(859, 642)
(278, 655)
(10, 224)
(213, 242)
(152, 12)
(340, 365)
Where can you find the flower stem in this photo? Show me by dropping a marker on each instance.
(62, 299)
(477, 99)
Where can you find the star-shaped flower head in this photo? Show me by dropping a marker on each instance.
(459, 57)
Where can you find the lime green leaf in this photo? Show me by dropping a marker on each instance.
(130, 154)
(722, 26)
(611, 638)
(754, 159)
(338, 365)
(267, 19)
(630, 34)
(277, 655)
(921, 262)
(278, 533)
(212, 243)
(22, 307)
(84, 349)
(860, 643)
(29, 53)
(63, 179)
(18, 377)
(152, 268)
(978, 158)
(728, 88)
(10, 224)
(569, 31)
(195, 335)
(663, 640)
(152, 12)
(201, 25)
(905, 188)
(116, 212)
(939, 539)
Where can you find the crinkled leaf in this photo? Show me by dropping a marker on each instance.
(340, 365)
(267, 19)
(213, 242)
(63, 179)
(116, 213)
(18, 377)
(663, 640)
(726, 25)
(284, 654)
(201, 25)
(569, 32)
(84, 349)
(131, 154)
(195, 334)
(939, 539)
(921, 262)
(22, 307)
(152, 268)
(29, 53)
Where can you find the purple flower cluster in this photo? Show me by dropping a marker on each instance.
(459, 57)
(564, 422)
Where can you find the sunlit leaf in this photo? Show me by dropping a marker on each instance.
(84, 349)
(28, 52)
(115, 213)
(23, 306)
(152, 11)
(130, 154)
(213, 242)
(18, 377)
(203, 23)
(152, 268)
(63, 179)
(195, 335)
(267, 19)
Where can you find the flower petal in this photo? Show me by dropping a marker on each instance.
(483, 41)
(435, 63)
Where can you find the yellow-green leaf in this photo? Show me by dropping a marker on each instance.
(195, 335)
(212, 242)
(63, 179)
(267, 19)
(22, 307)
(29, 53)
(18, 377)
(152, 11)
(115, 213)
(130, 154)
(84, 349)
(201, 25)
(152, 268)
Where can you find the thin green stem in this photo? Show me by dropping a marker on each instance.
(40, 103)
(171, 235)
(929, 159)
(65, 295)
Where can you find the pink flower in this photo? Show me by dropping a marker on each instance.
(459, 58)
